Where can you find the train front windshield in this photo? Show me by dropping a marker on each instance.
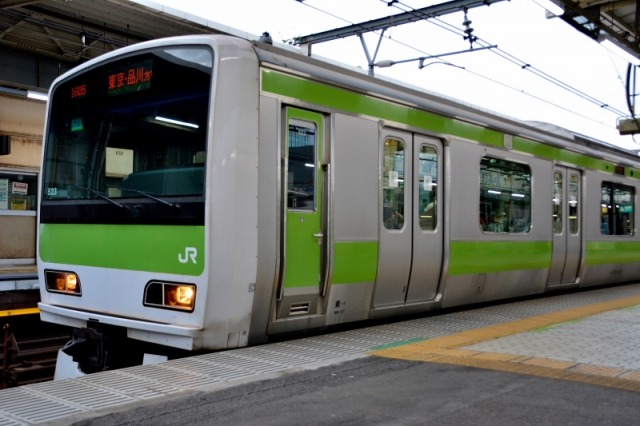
(126, 141)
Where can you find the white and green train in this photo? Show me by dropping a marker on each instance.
(207, 192)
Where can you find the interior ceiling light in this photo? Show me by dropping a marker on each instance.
(177, 122)
(37, 95)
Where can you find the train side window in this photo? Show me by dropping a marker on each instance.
(393, 184)
(428, 188)
(574, 185)
(558, 203)
(616, 209)
(505, 196)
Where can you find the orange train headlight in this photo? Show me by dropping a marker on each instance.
(62, 282)
(169, 295)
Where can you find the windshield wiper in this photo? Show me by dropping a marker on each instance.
(146, 194)
(101, 195)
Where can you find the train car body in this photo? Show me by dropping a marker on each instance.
(205, 192)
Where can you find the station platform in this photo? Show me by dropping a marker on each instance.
(571, 358)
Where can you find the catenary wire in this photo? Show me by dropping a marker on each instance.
(509, 57)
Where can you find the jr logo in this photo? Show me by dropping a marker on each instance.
(190, 253)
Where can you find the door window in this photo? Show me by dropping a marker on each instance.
(557, 203)
(428, 187)
(393, 184)
(302, 160)
(574, 220)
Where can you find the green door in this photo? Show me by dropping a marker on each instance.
(302, 257)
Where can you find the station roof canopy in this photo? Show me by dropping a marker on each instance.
(73, 31)
(618, 20)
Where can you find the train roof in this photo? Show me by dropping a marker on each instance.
(325, 70)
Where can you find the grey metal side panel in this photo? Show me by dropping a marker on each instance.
(354, 215)
(268, 223)
(355, 178)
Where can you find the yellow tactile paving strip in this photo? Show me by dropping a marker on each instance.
(450, 350)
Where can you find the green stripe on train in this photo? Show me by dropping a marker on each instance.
(477, 257)
(338, 98)
(133, 247)
(355, 261)
(602, 252)
(341, 99)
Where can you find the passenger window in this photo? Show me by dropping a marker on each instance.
(428, 188)
(574, 185)
(617, 215)
(302, 160)
(558, 203)
(505, 196)
(393, 184)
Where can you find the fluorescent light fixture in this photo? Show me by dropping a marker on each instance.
(492, 191)
(618, 50)
(37, 95)
(177, 122)
(309, 165)
(550, 6)
(516, 195)
(23, 93)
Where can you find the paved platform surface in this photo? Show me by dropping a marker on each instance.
(563, 359)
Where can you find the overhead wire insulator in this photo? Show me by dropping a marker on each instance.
(468, 30)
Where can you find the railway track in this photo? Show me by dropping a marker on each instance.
(28, 347)
(29, 350)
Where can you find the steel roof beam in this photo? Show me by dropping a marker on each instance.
(394, 20)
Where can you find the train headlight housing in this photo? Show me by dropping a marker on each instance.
(167, 295)
(62, 282)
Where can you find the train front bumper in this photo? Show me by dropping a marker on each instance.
(176, 336)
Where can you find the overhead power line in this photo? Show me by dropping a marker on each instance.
(524, 65)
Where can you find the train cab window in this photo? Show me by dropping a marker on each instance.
(393, 184)
(616, 209)
(302, 160)
(427, 187)
(558, 203)
(505, 196)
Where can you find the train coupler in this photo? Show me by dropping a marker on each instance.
(86, 347)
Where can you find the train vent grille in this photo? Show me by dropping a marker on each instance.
(301, 308)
